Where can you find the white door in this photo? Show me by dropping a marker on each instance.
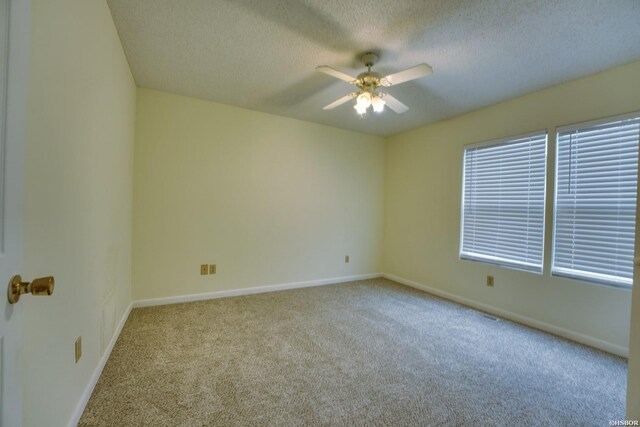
(14, 48)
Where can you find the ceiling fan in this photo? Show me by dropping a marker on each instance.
(369, 82)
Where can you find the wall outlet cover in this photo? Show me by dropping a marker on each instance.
(78, 349)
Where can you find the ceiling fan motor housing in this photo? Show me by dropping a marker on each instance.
(369, 80)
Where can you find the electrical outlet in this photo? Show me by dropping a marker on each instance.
(346, 259)
(490, 281)
(204, 269)
(212, 269)
(78, 349)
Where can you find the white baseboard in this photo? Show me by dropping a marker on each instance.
(251, 291)
(77, 413)
(537, 324)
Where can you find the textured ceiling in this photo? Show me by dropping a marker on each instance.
(262, 54)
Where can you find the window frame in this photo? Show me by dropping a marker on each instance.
(496, 142)
(557, 131)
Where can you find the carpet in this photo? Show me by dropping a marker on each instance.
(370, 352)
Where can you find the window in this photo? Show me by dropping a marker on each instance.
(595, 208)
(503, 199)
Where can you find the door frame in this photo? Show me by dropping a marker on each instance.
(12, 184)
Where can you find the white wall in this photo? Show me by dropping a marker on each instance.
(78, 199)
(422, 207)
(268, 199)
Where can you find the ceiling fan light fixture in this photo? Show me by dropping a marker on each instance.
(364, 100)
(369, 81)
(378, 104)
(360, 109)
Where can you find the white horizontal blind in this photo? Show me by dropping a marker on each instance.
(596, 185)
(503, 202)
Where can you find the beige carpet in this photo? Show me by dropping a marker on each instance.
(363, 353)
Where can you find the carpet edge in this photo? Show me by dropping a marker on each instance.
(590, 341)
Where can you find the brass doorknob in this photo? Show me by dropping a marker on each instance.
(41, 286)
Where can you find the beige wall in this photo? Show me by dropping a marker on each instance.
(633, 386)
(78, 199)
(268, 199)
(422, 215)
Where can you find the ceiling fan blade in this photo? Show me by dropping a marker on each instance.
(394, 104)
(340, 101)
(412, 73)
(335, 73)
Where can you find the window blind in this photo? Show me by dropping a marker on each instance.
(595, 209)
(503, 202)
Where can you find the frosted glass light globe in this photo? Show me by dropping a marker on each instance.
(378, 104)
(364, 99)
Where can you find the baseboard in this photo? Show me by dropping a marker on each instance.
(251, 291)
(537, 324)
(77, 413)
